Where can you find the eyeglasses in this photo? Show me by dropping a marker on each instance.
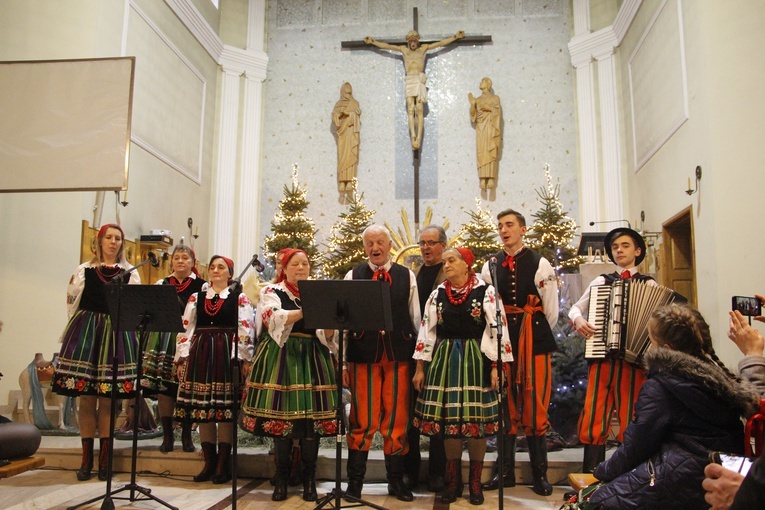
(429, 243)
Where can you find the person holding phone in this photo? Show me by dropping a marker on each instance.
(725, 488)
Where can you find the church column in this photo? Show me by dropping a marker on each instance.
(610, 142)
(590, 191)
(225, 178)
(249, 190)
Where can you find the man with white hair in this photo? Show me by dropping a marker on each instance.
(378, 369)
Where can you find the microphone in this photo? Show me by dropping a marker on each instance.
(611, 221)
(257, 264)
(151, 258)
(493, 270)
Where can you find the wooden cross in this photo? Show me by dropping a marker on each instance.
(414, 57)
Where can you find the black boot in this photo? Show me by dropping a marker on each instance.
(412, 459)
(594, 454)
(436, 464)
(103, 459)
(309, 452)
(283, 460)
(84, 473)
(474, 482)
(223, 466)
(538, 458)
(296, 475)
(211, 460)
(508, 466)
(186, 441)
(453, 481)
(168, 438)
(396, 487)
(356, 469)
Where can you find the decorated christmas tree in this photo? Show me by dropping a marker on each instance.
(346, 246)
(291, 228)
(569, 376)
(553, 229)
(480, 235)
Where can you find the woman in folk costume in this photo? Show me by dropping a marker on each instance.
(84, 366)
(292, 391)
(214, 318)
(160, 378)
(458, 391)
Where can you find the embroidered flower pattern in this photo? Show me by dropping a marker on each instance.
(440, 313)
(476, 311)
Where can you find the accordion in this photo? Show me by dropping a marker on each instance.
(620, 314)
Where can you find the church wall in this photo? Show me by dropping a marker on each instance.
(723, 134)
(528, 63)
(41, 231)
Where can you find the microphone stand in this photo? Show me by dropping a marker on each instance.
(500, 374)
(235, 289)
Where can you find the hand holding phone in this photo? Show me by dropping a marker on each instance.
(749, 306)
(735, 463)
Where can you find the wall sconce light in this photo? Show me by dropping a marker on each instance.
(124, 200)
(690, 191)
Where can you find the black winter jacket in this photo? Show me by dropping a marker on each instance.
(686, 409)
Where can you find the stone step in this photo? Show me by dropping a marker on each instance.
(65, 452)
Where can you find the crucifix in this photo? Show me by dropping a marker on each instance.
(414, 53)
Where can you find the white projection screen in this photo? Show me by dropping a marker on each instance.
(65, 124)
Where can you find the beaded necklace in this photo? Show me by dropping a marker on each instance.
(458, 295)
(180, 286)
(213, 306)
(292, 288)
(106, 273)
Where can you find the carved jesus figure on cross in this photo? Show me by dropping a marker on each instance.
(414, 63)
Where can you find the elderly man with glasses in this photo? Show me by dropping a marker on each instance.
(429, 275)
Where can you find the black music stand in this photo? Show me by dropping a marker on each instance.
(345, 305)
(139, 308)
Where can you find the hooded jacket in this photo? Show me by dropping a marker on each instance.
(686, 409)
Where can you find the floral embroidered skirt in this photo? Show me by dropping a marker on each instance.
(292, 391)
(84, 364)
(457, 400)
(159, 371)
(205, 387)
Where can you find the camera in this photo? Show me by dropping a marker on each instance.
(750, 306)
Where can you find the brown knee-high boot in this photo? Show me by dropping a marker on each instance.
(86, 467)
(103, 459)
(168, 439)
(474, 483)
(186, 441)
(453, 481)
(223, 466)
(211, 460)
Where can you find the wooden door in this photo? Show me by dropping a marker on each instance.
(678, 256)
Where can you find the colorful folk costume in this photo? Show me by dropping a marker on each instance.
(379, 379)
(528, 287)
(292, 390)
(214, 322)
(159, 375)
(85, 362)
(458, 342)
(613, 386)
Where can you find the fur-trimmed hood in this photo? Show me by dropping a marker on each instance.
(740, 395)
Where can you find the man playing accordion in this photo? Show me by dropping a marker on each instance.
(613, 384)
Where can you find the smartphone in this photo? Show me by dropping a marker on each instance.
(735, 463)
(747, 305)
